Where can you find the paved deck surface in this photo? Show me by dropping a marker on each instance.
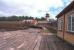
(51, 42)
(31, 39)
(20, 39)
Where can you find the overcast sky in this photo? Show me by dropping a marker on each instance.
(35, 8)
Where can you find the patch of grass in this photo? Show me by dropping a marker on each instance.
(52, 30)
(36, 27)
(46, 31)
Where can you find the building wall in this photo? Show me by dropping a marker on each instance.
(69, 37)
(60, 32)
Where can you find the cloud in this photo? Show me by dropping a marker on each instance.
(35, 8)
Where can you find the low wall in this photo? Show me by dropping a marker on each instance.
(13, 25)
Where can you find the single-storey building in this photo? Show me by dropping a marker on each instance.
(66, 23)
(44, 23)
(30, 21)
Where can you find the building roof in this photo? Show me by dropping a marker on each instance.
(67, 9)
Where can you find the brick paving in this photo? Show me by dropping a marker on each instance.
(19, 39)
(31, 39)
(51, 42)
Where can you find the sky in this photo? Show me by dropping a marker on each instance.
(35, 8)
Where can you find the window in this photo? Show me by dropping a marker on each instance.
(60, 22)
(70, 25)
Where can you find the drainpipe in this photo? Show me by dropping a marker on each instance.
(57, 27)
(64, 28)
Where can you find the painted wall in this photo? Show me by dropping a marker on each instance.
(60, 32)
(69, 37)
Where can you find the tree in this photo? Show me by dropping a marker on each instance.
(15, 18)
(43, 18)
(47, 15)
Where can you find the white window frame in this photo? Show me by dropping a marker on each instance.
(60, 24)
(71, 23)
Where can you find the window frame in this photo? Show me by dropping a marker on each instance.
(71, 23)
(60, 24)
